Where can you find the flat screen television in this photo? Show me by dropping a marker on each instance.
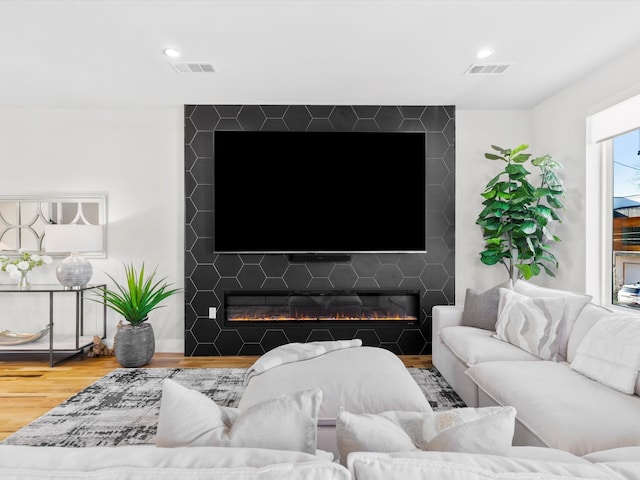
(319, 192)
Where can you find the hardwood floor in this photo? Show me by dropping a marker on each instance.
(29, 387)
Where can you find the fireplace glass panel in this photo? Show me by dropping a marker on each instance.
(322, 307)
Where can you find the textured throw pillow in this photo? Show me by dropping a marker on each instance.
(575, 302)
(487, 430)
(610, 352)
(190, 418)
(481, 308)
(531, 324)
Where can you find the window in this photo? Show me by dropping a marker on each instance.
(626, 219)
(614, 128)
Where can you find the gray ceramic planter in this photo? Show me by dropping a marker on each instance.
(135, 345)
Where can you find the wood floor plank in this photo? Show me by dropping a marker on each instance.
(30, 387)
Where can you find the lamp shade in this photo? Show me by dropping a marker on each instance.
(73, 238)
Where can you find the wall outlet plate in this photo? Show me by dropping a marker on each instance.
(212, 313)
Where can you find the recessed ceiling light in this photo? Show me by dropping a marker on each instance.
(171, 52)
(484, 53)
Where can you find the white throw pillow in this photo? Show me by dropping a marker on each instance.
(575, 302)
(190, 418)
(610, 352)
(486, 430)
(531, 324)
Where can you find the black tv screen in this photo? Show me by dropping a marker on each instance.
(319, 192)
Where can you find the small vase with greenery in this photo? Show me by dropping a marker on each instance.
(517, 215)
(141, 294)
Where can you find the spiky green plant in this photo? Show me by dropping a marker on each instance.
(138, 297)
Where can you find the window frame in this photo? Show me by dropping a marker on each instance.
(602, 127)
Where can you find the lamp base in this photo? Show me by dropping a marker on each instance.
(74, 271)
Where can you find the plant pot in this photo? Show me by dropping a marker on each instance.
(135, 345)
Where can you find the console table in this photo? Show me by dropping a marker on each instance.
(66, 345)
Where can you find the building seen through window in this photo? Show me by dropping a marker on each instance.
(626, 219)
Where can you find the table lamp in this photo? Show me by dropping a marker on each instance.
(75, 271)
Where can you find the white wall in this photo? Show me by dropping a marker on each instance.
(556, 127)
(559, 128)
(135, 156)
(476, 131)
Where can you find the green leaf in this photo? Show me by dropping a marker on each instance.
(494, 180)
(525, 270)
(499, 205)
(516, 170)
(507, 186)
(535, 269)
(541, 161)
(554, 202)
(491, 156)
(528, 227)
(494, 241)
(523, 157)
(549, 258)
(545, 212)
(530, 245)
(520, 148)
(548, 271)
(489, 194)
(499, 149)
(489, 258)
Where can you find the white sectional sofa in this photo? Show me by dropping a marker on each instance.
(523, 463)
(147, 462)
(218, 463)
(557, 406)
(276, 439)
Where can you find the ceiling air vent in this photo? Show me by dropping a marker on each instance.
(194, 67)
(488, 69)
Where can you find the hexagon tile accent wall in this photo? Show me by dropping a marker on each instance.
(208, 276)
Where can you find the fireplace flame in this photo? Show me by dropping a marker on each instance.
(256, 317)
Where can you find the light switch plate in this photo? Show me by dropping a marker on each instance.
(212, 313)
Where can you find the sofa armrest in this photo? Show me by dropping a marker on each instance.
(446, 316)
(442, 316)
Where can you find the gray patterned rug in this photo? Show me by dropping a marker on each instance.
(122, 407)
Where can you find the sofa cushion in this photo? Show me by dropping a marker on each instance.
(575, 302)
(588, 317)
(476, 345)
(562, 407)
(545, 454)
(465, 466)
(146, 462)
(610, 352)
(530, 323)
(190, 418)
(623, 454)
(474, 430)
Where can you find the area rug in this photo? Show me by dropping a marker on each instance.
(122, 407)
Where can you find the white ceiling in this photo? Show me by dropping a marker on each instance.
(97, 53)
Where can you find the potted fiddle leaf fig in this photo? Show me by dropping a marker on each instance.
(517, 215)
(135, 341)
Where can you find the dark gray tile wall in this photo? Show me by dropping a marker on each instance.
(208, 275)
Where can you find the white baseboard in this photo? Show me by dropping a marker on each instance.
(170, 346)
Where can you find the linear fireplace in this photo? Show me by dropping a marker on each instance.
(304, 307)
